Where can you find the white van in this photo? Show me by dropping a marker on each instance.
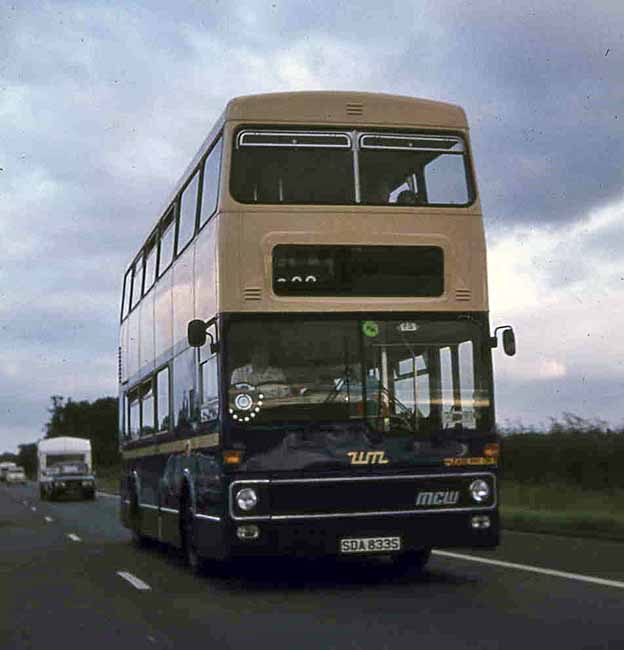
(5, 466)
(15, 475)
(64, 466)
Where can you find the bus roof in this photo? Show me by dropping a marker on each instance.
(343, 107)
(64, 444)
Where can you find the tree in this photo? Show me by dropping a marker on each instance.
(96, 421)
(27, 458)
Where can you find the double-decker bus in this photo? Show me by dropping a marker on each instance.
(305, 352)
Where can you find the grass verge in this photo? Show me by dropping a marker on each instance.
(563, 510)
(107, 479)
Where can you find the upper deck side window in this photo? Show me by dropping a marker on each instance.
(188, 212)
(342, 168)
(210, 182)
(125, 300)
(149, 263)
(292, 167)
(137, 278)
(167, 238)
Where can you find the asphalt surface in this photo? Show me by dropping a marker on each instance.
(60, 588)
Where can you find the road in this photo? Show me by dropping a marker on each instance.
(61, 588)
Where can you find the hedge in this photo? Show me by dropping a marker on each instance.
(587, 460)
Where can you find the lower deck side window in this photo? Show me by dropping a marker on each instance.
(163, 417)
(134, 415)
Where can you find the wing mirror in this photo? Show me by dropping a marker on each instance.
(509, 340)
(197, 334)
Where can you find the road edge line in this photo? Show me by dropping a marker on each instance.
(137, 583)
(533, 569)
(107, 494)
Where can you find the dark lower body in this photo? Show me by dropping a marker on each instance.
(407, 538)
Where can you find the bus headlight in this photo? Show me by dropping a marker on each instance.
(243, 402)
(479, 490)
(246, 499)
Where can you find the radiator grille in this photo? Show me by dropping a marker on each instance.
(373, 495)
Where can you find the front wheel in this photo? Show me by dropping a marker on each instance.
(189, 543)
(138, 539)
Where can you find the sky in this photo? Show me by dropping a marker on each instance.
(103, 104)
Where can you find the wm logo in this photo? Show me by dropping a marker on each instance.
(368, 457)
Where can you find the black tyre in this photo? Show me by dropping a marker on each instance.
(138, 539)
(188, 535)
(413, 560)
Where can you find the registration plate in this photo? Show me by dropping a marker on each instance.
(370, 544)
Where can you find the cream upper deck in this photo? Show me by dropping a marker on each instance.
(228, 265)
(316, 108)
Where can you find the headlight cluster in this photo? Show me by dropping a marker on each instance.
(246, 406)
(246, 499)
(479, 490)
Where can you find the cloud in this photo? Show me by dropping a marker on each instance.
(102, 107)
(564, 299)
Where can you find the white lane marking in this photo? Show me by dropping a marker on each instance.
(74, 537)
(106, 494)
(33, 509)
(534, 569)
(49, 519)
(137, 583)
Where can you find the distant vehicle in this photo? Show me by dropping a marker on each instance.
(4, 468)
(64, 467)
(15, 475)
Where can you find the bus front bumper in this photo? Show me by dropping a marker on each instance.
(334, 536)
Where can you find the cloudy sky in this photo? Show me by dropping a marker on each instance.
(102, 105)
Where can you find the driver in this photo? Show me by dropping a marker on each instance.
(258, 371)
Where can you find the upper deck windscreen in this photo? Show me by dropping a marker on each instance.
(346, 168)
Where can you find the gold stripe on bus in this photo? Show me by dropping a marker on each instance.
(177, 446)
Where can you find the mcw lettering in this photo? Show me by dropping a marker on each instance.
(441, 498)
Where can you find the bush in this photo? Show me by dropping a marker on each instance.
(573, 452)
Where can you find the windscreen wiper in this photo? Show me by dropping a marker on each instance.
(342, 380)
(405, 417)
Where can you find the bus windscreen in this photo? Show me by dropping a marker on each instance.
(283, 167)
(412, 382)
